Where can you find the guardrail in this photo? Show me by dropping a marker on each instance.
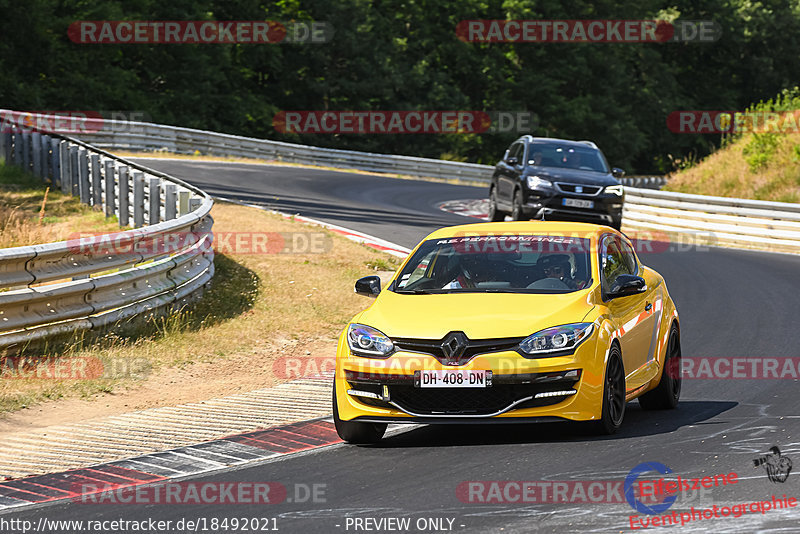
(707, 220)
(756, 224)
(146, 136)
(89, 282)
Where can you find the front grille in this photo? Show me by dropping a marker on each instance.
(469, 401)
(474, 347)
(573, 188)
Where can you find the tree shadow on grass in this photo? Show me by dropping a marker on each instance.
(232, 291)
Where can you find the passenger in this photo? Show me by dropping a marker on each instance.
(557, 266)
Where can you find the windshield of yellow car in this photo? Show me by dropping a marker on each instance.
(498, 264)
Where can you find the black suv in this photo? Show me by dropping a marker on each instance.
(555, 179)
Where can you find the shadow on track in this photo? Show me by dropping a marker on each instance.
(637, 423)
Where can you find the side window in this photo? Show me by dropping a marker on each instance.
(612, 262)
(515, 151)
(630, 257)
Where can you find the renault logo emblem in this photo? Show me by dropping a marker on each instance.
(453, 346)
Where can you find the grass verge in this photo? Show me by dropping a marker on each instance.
(259, 307)
(763, 165)
(27, 219)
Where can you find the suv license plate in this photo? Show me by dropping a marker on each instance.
(451, 378)
(578, 203)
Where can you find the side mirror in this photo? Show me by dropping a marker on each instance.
(625, 285)
(617, 173)
(512, 160)
(369, 286)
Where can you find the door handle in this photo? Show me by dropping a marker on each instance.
(648, 306)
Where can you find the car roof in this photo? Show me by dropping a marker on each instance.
(555, 140)
(550, 228)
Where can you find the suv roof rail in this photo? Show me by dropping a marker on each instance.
(590, 143)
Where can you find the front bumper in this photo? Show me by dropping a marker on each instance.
(549, 205)
(556, 388)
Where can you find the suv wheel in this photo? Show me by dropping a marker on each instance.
(495, 215)
(516, 211)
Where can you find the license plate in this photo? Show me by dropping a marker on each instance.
(578, 203)
(452, 378)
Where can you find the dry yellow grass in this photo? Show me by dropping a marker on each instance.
(21, 198)
(763, 165)
(259, 307)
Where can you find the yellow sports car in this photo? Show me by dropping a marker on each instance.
(509, 322)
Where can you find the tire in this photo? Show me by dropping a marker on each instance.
(354, 432)
(495, 215)
(666, 394)
(613, 410)
(516, 211)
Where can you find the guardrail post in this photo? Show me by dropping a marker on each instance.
(97, 181)
(36, 150)
(84, 189)
(170, 199)
(3, 145)
(25, 147)
(74, 175)
(55, 162)
(138, 199)
(183, 202)
(17, 141)
(66, 167)
(109, 189)
(46, 160)
(124, 196)
(154, 192)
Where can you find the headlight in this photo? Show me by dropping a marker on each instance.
(535, 182)
(369, 342)
(614, 190)
(557, 339)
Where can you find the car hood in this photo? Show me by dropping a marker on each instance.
(574, 176)
(478, 315)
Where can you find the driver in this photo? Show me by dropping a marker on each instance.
(557, 266)
(469, 271)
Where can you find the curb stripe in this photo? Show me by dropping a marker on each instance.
(160, 466)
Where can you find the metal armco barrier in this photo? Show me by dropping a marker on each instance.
(146, 136)
(773, 226)
(88, 282)
(707, 220)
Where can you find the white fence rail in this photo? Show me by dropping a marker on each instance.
(89, 281)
